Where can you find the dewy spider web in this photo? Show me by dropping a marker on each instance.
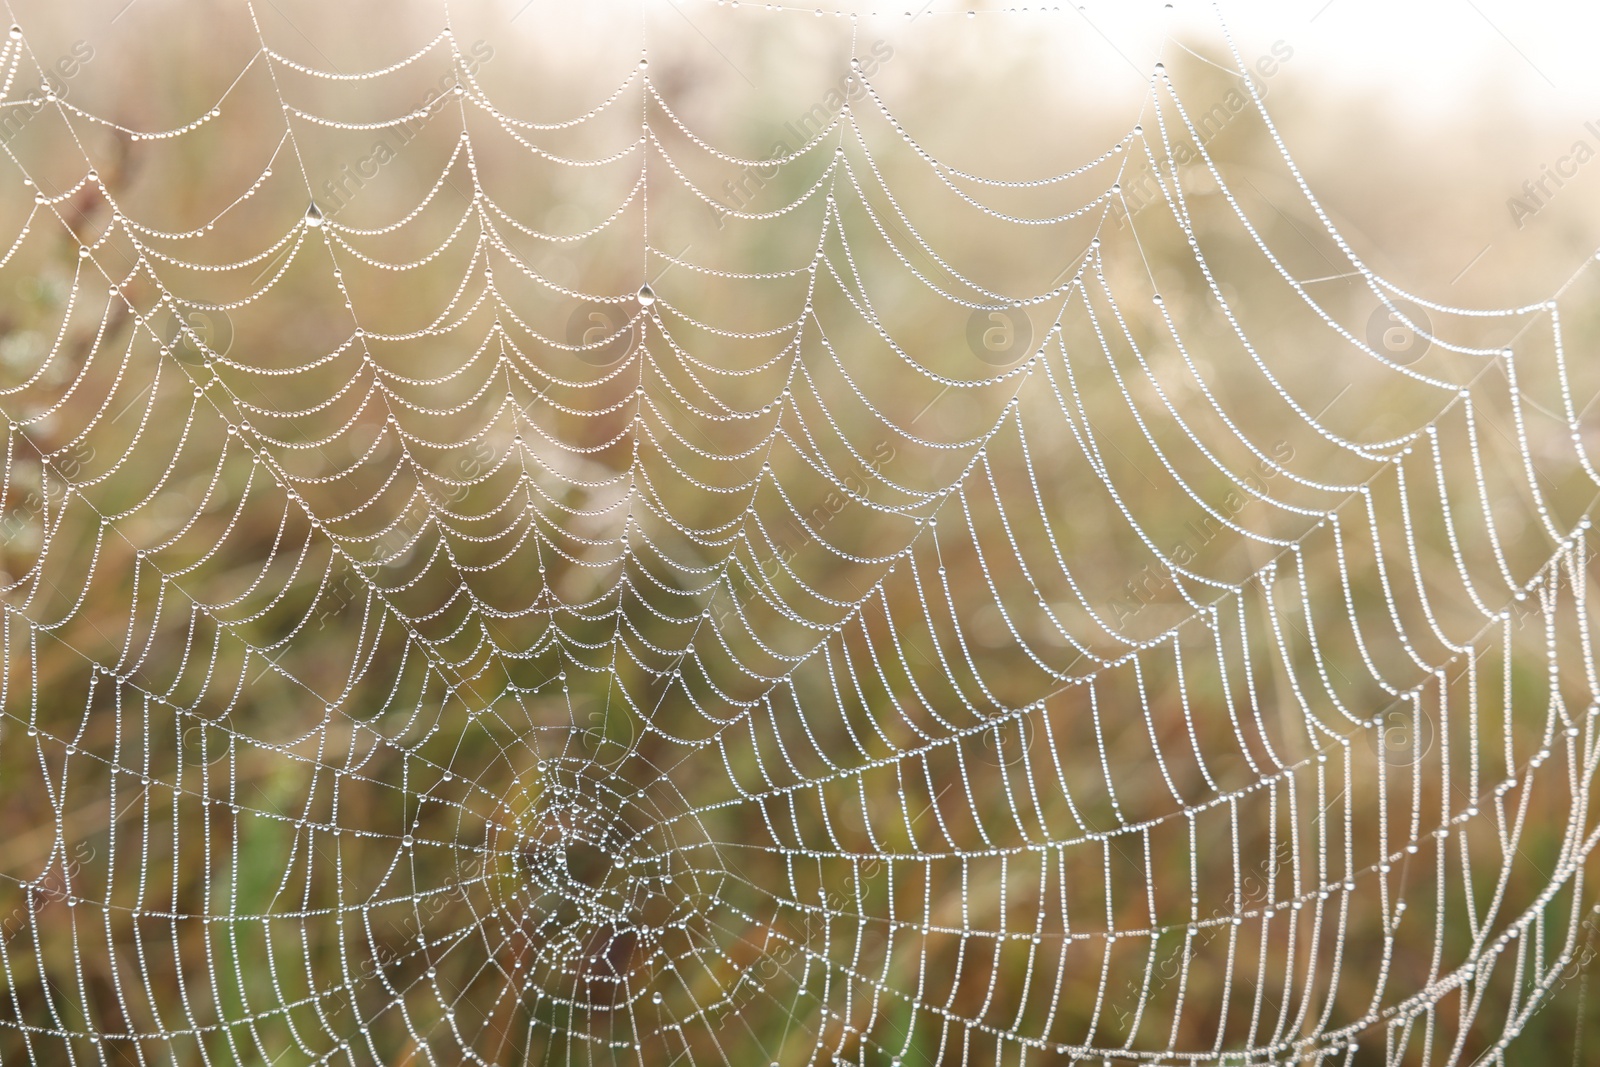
(415, 654)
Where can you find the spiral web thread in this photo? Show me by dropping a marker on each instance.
(675, 689)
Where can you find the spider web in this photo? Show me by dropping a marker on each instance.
(786, 635)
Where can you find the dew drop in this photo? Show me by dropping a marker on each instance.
(16, 33)
(313, 215)
(647, 295)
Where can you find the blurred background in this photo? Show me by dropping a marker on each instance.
(696, 532)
